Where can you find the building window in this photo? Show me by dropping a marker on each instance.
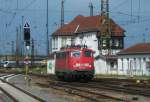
(116, 43)
(63, 41)
(72, 41)
(55, 43)
(134, 63)
(148, 65)
(140, 63)
(104, 42)
(112, 66)
(120, 43)
(128, 63)
(122, 64)
(127, 59)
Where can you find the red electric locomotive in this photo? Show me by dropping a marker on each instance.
(75, 63)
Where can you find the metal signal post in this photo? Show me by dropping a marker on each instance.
(27, 44)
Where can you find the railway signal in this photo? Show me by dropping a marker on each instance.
(27, 34)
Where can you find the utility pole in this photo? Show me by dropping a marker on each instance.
(105, 33)
(20, 40)
(22, 33)
(17, 48)
(62, 13)
(32, 53)
(17, 5)
(91, 8)
(105, 8)
(47, 25)
(12, 47)
(144, 39)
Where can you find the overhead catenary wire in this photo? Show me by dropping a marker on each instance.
(139, 10)
(120, 4)
(28, 5)
(131, 10)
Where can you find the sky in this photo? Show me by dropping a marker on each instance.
(132, 15)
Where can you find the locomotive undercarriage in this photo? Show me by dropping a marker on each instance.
(75, 75)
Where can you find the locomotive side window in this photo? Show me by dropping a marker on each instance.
(88, 54)
(76, 54)
(61, 55)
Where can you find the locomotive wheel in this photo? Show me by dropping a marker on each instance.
(66, 77)
(86, 78)
(60, 76)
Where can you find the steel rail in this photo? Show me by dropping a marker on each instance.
(77, 91)
(115, 87)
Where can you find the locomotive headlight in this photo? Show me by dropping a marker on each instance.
(86, 64)
(90, 65)
(77, 65)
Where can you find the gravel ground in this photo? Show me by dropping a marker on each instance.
(46, 93)
(52, 95)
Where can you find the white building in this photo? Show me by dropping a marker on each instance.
(87, 31)
(135, 60)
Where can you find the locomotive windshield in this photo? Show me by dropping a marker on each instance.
(76, 53)
(88, 54)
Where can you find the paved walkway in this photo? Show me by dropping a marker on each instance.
(20, 96)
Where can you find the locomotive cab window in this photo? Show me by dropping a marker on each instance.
(76, 54)
(61, 55)
(88, 54)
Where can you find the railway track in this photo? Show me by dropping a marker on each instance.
(125, 86)
(87, 90)
(16, 94)
(83, 93)
(117, 87)
(128, 87)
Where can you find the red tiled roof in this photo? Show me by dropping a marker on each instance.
(136, 49)
(84, 24)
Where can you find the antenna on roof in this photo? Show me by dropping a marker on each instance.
(62, 12)
(91, 8)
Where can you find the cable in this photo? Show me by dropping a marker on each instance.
(6, 11)
(120, 4)
(139, 10)
(29, 4)
(14, 15)
(131, 10)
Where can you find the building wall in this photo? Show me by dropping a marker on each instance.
(133, 65)
(100, 66)
(90, 40)
(104, 67)
(60, 41)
